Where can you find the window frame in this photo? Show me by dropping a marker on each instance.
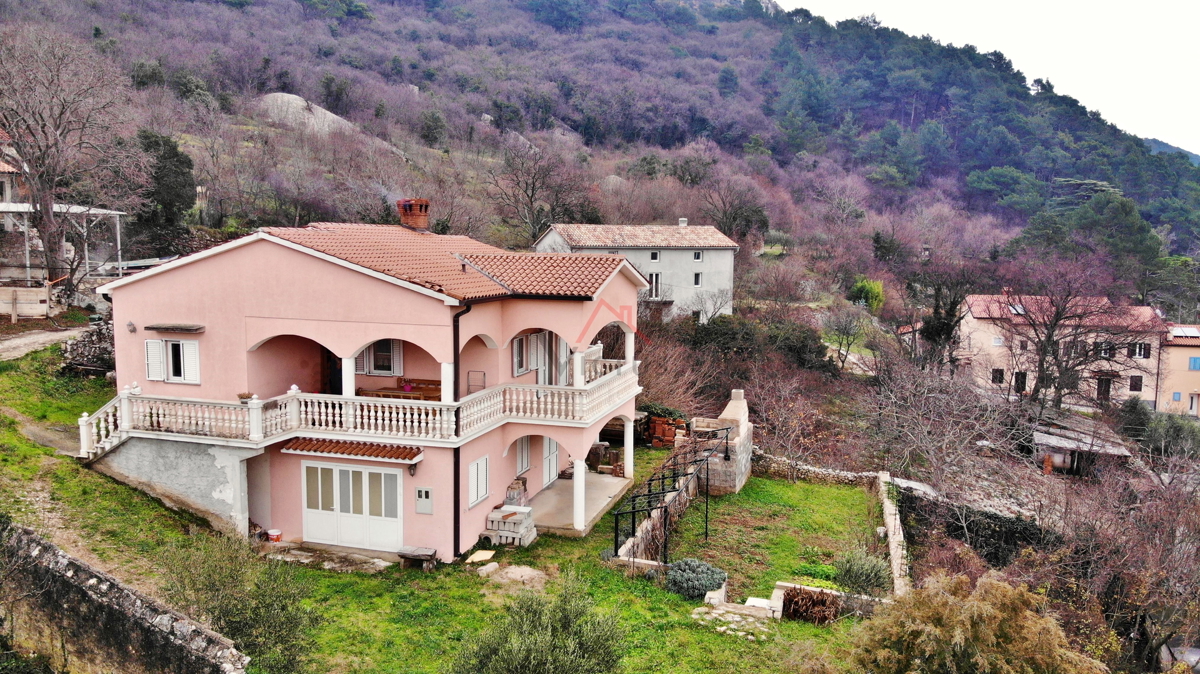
(476, 470)
(697, 256)
(1136, 383)
(998, 376)
(655, 289)
(168, 358)
(1194, 363)
(997, 341)
(656, 256)
(697, 279)
(520, 355)
(364, 362)
(523, 458)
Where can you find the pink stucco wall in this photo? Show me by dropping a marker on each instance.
(282, 362)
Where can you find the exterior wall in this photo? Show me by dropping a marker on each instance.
(280, 363)
(284, 491)
(976, 345)
(1177, 378)
(677, 267)
(209, 480)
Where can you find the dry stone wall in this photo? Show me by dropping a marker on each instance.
(85, 622)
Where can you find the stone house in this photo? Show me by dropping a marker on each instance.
(689, 268)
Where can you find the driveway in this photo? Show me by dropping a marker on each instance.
(27, 342)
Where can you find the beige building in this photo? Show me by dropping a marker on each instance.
(1112, 350)
(1180, 389)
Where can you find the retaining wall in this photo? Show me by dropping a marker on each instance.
(85, 622)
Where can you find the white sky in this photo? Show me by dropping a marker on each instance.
(1136, 62)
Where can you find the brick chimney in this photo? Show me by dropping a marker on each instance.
(414, 213)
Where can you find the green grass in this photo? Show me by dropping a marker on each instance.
(33, 386)
(775, 530)
(403, 620)
(71, 318)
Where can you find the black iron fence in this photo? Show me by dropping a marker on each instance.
(650, 513)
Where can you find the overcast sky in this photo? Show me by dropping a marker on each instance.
(1136, 62)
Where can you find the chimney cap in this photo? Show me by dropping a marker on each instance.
(683, 222)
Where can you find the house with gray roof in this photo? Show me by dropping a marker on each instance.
(690, 269)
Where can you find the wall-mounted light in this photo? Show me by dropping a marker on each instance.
(412, 469)
(131, 327)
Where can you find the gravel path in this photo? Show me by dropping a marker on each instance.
(26, 342)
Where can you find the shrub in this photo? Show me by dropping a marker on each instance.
(867, 292)
(559, 634)
(255, 602)
(662, 411)
(816, 570)
(861, 573)
(692, 578)
(818, 608)
(948, 627)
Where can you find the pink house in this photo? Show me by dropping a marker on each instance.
(393, 383)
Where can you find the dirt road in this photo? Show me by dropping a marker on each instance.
(19, 345)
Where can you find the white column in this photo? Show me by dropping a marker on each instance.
(577, 370)
(348, 377)
(580, 474)
(448, 392)
(255, 413)
(629, 345)
(629, 448)
(85, 436)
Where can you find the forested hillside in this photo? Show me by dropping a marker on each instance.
(856, 142)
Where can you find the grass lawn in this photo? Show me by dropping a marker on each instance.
(32, 386)
(403, 620)
(764, 533)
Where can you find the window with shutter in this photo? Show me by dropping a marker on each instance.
(520, 356)
(154, 360)
(191, 362)
(360, 361)
(478, 481)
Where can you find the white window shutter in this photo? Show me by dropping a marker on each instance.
(398, 357)
(191, 362)
(154, 360)
(517, 344)
(360, 361)
(483, 477)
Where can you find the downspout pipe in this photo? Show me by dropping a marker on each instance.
(457, 450)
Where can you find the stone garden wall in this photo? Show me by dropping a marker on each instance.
(85, 622)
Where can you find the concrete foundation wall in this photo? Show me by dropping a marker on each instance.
(209, 480)
(85, 622)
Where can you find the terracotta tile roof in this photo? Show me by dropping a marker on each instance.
(1173, 339)
(4, 137)
(422, 258)
(560, 274)
(363, 450)
(1095, 310)
(437, 261)
(7, 168)
(643, 236)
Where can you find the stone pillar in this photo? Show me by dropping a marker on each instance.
(577, 370)
(629, 448)
(580, 516)
(348, 377)
(448, 392)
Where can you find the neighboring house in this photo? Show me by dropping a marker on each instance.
(1112, 350)
(402, 382)
(690, 269)
(1180, 389)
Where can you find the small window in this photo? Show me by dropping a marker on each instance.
(696, 279)
(522, 455)
(424, 501)
(477, 478)
(1024, 345)
(173, 360)
(1135, 384)
(1019, 381)
(997, 341)
(1194, 363)
(998, 376)
(655, 290)
(1177, 396)
(698, 256)
(1138, 350)
(520, 355)
(383, 358)
(654, 256)
(1105, 350)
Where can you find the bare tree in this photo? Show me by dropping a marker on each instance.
(734, 205)
(67, 111)
(535, 188)
(845, 326)
(1060, 327)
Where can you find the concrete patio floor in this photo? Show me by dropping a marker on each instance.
(553, 507)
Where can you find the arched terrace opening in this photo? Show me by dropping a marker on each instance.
(611, 346)
(479, 364)
(537, 356)
(277, 363)
(396, 368)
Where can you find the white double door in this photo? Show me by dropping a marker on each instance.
(550, 356)
(352, 506)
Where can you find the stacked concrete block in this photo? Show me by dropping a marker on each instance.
(511, 525)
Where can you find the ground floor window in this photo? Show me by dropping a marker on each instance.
(477, 478)
(997, 376)
(1135, 384)
(1019, 381)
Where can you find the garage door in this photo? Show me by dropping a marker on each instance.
(352, 506)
